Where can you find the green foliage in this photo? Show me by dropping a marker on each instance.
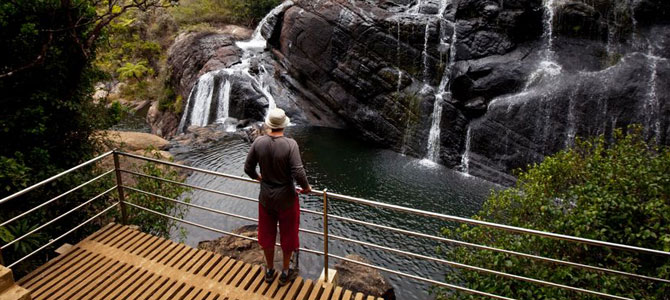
(149, 222)
(29, 243)
(118, 111)
(617, 192)
(6, 236)
(137, 71)
(241, 12)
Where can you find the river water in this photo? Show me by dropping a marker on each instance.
(335, 160)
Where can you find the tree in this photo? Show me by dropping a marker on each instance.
(137, 71)
(47, 118)
(616, 191)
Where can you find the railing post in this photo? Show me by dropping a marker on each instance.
(119, 186)
(325, 233)
(2, 261)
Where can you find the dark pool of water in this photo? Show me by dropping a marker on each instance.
(335, 160)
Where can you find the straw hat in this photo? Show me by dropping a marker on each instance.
(277, 119)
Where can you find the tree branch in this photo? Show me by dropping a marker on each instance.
(38, 60)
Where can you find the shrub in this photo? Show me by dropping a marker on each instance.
(149, 222)
(615, 191)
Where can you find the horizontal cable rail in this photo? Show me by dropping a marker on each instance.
(430, 214)
(397, 251)
(52, 178)
(325, 234)
(210, 228)
(423, 235)
(455, 287)
(56, 198)
(57, 218)
(63, 235)
(482, 247)
(208, 208)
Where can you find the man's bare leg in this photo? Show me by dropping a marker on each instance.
(287, 259)
(269, 257)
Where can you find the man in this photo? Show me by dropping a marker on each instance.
(280, 164)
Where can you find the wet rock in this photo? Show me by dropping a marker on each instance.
(579, 19)
(195, 53)
(134, 141)
(359, 278)
(163, 122)
(245, 250)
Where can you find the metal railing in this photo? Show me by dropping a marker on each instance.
(123, 206)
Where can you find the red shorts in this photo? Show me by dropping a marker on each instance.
(289, 222)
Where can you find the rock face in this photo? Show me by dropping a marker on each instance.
(241, 249)
(522, 78)
(359, 278)
(480, 85)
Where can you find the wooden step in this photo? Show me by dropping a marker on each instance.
(119, 262)
(15, 292)
(8, 289)
(6, 278)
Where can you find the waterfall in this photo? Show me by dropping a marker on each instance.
(465, 159)
(572, 119)
(433, 145)
(652, 106)
(547, 67)
(201, 100)
(397, 55)
(198, 105)
(548, 33)
(426, 75)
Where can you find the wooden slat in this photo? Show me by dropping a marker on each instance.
(195, 260)
(327, 291)
(243, 273)
(337, 293)
(256, 271)
(99, 280)
(164, 289)
(306, 289)
(62, 278)
(288, 291)
(44, 272)
(150, 290)
(84, 279)
(111, 280)
(122, 263)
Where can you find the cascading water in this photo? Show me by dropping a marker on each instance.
(465, 159)
(426, 35)
(198, 105)
(547, 67)
(433, 145)
(201, 99)
(652, 105)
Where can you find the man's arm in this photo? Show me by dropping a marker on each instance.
(251, 162)
(297, 169)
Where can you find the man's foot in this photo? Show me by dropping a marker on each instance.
(287, 276)
(269, 275)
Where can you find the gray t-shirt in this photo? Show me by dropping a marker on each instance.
(280, 162)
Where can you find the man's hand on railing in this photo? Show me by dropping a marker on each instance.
(304, 191)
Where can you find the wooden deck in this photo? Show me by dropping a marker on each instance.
(118, 262)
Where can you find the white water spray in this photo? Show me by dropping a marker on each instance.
(201, 96)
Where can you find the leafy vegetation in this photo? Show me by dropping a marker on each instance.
(243, 12)
(149, 222)
(617, 191)
(47, 118)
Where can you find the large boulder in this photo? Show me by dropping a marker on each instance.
(361, 279)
